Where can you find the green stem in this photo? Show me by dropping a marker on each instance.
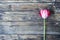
(44, 30)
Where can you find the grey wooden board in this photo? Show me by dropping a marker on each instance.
(25, 22)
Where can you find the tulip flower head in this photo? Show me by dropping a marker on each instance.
(44, 13)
